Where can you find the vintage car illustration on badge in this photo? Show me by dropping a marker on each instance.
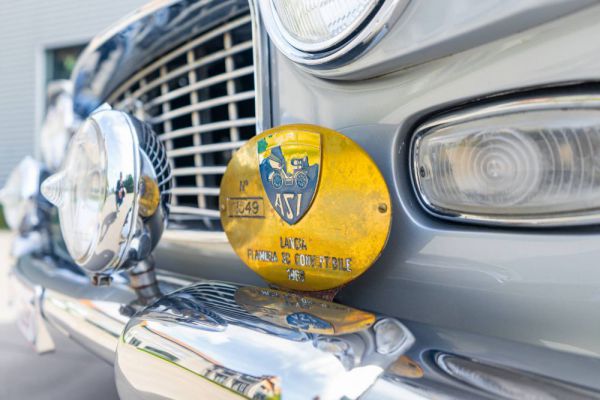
(289, 169)
(279, 176)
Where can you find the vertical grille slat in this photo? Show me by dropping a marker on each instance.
(232, 106)
(164, 88)
(199, 99)
(191, 58)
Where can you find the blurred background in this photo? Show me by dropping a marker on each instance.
(39, 43)
(26, 375)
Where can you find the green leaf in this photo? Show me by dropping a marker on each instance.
(262, 145)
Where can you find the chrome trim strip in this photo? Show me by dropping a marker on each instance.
(502, 382)
(202, 212)
(207, 148)
(189, 191)
(226, 76)
(203, 105)
(262, 66)
(495, 109)
(184, 171)
(212, 126)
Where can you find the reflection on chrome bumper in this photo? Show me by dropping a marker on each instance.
(92, 316)
(27, 301)
(218, 337)
(220, 340)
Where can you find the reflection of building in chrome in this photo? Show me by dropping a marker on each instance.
(206, 334)
(259, 388)
(210, 307)
(179, 354)
(252, 387)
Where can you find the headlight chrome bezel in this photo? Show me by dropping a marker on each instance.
(127, 230)
(502, 109)
(333, 53)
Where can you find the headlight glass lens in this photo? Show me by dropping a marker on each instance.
(315, 25)
(79, 190)
(538, 167)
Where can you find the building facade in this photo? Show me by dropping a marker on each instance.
(38, 42)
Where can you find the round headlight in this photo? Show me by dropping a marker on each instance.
(58, 124)
(319, 32)
(20, 189)
(108, 191)
(79, 190)
(317, 25)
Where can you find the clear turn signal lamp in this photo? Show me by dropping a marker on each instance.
(111, 192)
(534, 162)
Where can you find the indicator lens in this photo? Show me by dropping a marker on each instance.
(538, 167)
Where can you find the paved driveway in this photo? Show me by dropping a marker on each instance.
(68, 373)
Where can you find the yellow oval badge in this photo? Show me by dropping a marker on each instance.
(305, 207)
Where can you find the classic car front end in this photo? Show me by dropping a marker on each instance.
(457, 146)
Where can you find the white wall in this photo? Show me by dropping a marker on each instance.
(27, 29)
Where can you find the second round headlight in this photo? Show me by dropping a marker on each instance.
(327, 33)
(317, 25)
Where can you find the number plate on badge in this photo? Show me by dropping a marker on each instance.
(246, 207)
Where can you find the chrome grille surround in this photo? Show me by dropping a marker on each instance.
(200, 100)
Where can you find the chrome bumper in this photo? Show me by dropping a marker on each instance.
(214, 338)
(92, 316)
(206, 340)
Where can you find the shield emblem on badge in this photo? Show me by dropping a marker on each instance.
(289, 164)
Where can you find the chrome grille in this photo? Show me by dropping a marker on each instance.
(199, 99)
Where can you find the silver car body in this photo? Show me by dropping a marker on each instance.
(522, 299)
